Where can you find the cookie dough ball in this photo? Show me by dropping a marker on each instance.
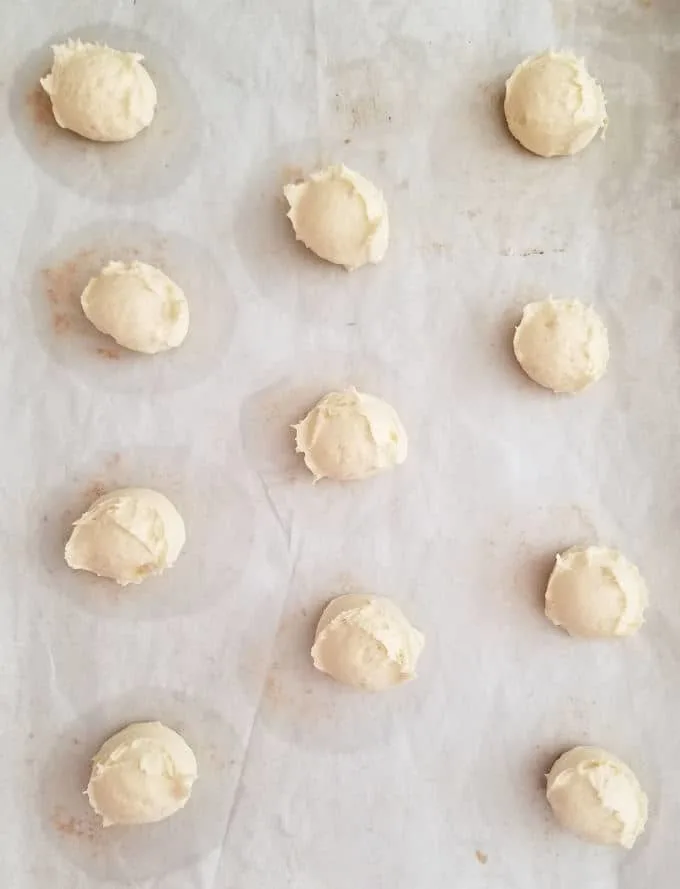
(340, 216)
(98, 92)
(597, 797)
(553, 106)
(137, 305)
(366, 642)
(142, 774)
(127, 536)
(594, 591)
(562, 344)
(350, 436)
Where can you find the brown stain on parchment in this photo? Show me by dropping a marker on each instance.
(62, 285)
(94, 491)
(112, 353)
(273, 688)
(40, 109)
(70, 826)
(292, 174)
(80, 503)
(361, 111)
(280, 696)
(104, 481)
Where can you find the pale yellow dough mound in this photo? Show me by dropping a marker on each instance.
(366, 642)
(127, 535)
(553, 106)
(137, 305)
(562, 344)
(594, 591)
(598, 797)
(339, 215)
(100, 93)
(350, 436)
(142, 774)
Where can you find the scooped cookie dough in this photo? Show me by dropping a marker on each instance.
(137, 305)
(98, 92)
(142, 774)
(562, 344)
(127, 535)
(366, 642)
(350, 436)
(553, 106)
(595, 591)
(340, 216)
(597, 797)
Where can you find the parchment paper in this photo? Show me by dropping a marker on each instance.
(304, 784)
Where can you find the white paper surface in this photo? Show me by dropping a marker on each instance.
(303, 783)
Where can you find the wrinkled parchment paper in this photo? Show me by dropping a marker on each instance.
(303, 783)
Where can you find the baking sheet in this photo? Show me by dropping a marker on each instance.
(303, 783)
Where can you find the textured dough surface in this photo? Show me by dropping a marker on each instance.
(142, 774)
(595, 591)
(366, 642)
(341, 216)
(597, 796)
(127, 535)
(562, 344)
(351, 436)
(100, 93)
(553, 106)
(137, 305)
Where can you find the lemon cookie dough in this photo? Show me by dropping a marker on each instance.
(137, 305)
(142, 774)
(596, 796)
(366, 642)
(127, 535)
(98, 92)
(350, 436)
(595, 591)
(562, 344)
(553, 106)
(340, 216)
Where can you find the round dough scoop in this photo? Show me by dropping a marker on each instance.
(596, 796)
(562, 344)
(100, 93)
(366, 642)
(553, 106)
(341, 216)
(595, 591)
(127, 535)
(351, 436)
(138, 306)
(142, 774)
